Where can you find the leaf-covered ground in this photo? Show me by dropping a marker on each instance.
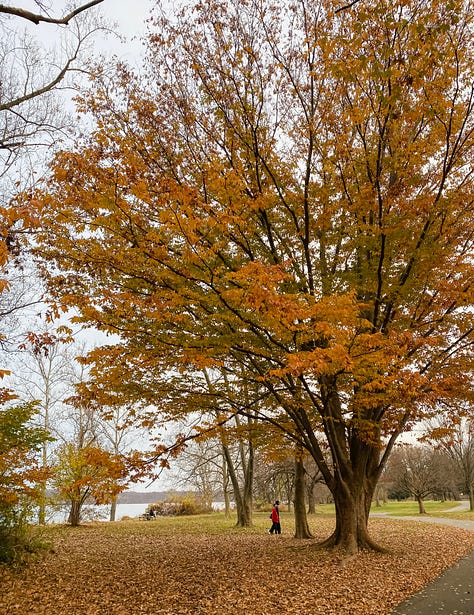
(129, 568)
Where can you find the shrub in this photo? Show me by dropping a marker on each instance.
(17, 540)
(19, 477)
(176, 506)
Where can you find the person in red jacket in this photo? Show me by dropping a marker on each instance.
(275, 517)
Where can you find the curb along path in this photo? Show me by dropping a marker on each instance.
(452, 593)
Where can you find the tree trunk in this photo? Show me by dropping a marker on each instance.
(289, 487)
(42, 504)
(352, 503)
(312, 479)
(245, 517)
(113, 509)
(380, 493)
(311, 500)
(243, 498)
(244, 509)
(301, 521)
(353, 473)
(226, 503)
(75, 513)
(248, 486)
(421, 505)
(225, 486)
(44, 457)
(471, 498)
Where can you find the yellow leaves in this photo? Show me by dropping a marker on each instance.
(4, 257)
(4, 284)
(259, 273)
(19, 444)
(6, 395)
(88, 470)
(266, 293)
(367, 430)
(443, 433)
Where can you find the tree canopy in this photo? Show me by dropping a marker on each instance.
(284, 196)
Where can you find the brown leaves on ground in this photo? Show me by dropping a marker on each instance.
(134, 568)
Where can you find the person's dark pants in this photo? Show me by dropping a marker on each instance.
(276, 527)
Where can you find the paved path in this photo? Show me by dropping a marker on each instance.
(452, 593)
(465, 525)
(464, 505)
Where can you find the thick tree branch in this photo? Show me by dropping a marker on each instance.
(36, 19)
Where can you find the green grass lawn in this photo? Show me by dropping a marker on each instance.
(409, 507)
(217, 523)
(209, 524)
(434, 509)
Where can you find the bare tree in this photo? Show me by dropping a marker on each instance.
(240, 469)
(43, 374)
(457, 442)
(118, 426)
(31, 115)
(313, 477)
(21, 291)
(32, 119)
(37, 18)
(416, 470)
(199, 466)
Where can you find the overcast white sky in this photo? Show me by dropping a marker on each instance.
(130, 16)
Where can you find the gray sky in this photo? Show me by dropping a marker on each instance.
(127, 18)
(130, 16)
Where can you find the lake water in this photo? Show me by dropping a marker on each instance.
(130, 510)
(123, 510)
(103, 512)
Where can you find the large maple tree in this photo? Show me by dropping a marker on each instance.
(284, 194)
